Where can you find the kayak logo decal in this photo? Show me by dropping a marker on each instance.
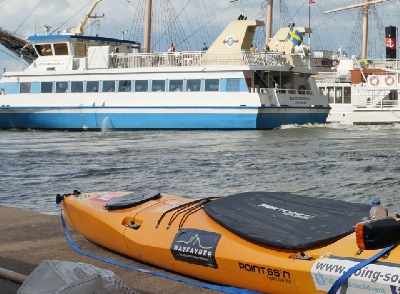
(380, 277)
(196, 247)
(275, 275)
(288, 212)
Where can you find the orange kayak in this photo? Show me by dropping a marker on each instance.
(271, 242)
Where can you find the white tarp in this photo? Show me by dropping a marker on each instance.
(53, 277)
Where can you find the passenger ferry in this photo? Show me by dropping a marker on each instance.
(83, 82)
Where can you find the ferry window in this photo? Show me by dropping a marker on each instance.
(338, 95)
(45, 49)
(61, 49)
(193, 85)
(25, 87)
(61, 87)
(212, 85)
(76, 87)
(108, 86)
(80, 49)
(233, 85)
(347, 95)
(331, 94)
(158, 86)
(175, 85)
(47, 87)
(141, 86)
(124, 86)
(92, 86)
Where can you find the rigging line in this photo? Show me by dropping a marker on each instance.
(171, 23)
(11, 55)
(28, 15)
(70, 17)
(208, 22)
(4, 3)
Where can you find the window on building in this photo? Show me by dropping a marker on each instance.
(92, 86)
(61, 49)
(141, 86)
(77, 87)
(108, 86)
(193, 85)
(124, 86)
(211, 85)
(175, 85)
(158, 86)
(25, 87)
(233, 85)
(46, 87)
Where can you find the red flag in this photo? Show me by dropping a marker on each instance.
(311, 1)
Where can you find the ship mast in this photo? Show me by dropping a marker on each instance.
(268, 28)
(365, 7)
(147, 29)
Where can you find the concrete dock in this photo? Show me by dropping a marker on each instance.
(28, 238)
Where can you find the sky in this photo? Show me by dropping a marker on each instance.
(200, 20)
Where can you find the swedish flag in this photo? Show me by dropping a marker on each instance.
(364, 62)
(295, 36)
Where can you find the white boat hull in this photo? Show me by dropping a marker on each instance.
(349, 114)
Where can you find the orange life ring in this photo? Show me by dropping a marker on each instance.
(374, 81)
(302, 89)
(389, 80)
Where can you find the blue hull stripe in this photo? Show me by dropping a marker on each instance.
(114, 120)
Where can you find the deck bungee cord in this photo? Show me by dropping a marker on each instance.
(221, 288)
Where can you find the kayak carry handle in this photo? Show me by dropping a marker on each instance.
(377, 234)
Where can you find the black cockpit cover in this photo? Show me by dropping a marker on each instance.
(286, 221)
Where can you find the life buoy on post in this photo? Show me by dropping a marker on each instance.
(302, 89)
(389, 80)
(374, 81)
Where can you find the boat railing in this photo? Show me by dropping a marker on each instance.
(198, 58)
(269, 97)
(385, 63)
(386, 103)
(294, 91)
(333, 77)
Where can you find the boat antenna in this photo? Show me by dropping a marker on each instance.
(28, 15)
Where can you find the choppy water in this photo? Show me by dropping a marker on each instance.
(356, 163)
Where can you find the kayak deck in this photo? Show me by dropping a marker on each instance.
(178, 234)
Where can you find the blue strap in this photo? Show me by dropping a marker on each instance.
(215, 287)
(339, 282)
